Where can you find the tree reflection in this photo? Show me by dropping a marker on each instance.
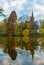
(10, 48)
(42, 44)
(28, 43)
(31, 45)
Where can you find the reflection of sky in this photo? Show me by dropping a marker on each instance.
(22, 60)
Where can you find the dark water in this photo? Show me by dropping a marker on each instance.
(21, 50)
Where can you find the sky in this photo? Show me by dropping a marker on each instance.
(23, 7)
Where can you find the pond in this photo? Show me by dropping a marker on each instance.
(23, 50)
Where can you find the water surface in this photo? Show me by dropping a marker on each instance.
(21, 50)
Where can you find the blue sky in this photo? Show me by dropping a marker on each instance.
(23, 7)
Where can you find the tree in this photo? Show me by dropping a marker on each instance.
(27, 24)
(1, 13)
(42, 24)
(41, 27)
(11, 21)
(26, 32)
(3, 28)
(12, 18)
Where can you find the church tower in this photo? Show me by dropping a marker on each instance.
(32, 17)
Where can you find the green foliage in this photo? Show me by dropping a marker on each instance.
(19, 28)
(3, 29)
(41, 27)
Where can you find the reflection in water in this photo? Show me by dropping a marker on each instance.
(29, 44)
(42, 44)
(12, 52)
(9, 48)
(24, 49)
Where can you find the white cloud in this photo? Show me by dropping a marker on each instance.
(37, 7)
(38, 10)
(5, 5)
(18, 6)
